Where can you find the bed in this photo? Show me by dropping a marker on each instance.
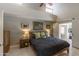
(47, 46)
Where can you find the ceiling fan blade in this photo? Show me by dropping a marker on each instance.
(41, 4)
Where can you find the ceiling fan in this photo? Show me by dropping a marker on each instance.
(46, 3)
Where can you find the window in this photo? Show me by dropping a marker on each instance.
(49, 8)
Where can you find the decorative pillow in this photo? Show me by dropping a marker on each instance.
(43, 35)
(37, 35)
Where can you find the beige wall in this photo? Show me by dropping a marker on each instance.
(75, 31)
(56, 30)
(1, 32)
(13, 23)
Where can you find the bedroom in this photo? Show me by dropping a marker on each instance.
(18, 18)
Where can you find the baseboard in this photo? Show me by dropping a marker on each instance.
(75, 47)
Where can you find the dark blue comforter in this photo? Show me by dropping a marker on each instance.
(48, 46)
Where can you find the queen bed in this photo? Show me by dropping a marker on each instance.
(47, 46)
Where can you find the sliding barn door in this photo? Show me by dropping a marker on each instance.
(75, 33)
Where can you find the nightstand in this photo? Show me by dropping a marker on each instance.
(24, 43)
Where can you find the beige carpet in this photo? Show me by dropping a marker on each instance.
(16, 51)
(75, 52)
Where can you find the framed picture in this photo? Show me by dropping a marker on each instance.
(48, 26)
(24, 25)
(37, 26)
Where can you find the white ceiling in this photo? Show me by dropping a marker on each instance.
(25, 12)
(66, 10)
(35, 6)
(62, 10)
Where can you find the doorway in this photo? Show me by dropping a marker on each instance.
(65, 31)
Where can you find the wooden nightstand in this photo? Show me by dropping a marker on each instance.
(24, 43)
